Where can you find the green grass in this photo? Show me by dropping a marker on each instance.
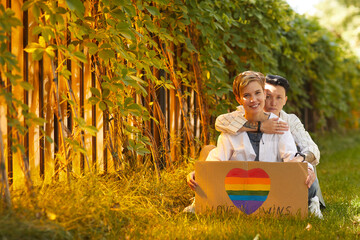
(138, 206)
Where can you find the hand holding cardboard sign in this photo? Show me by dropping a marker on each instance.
(190, 179)
(310, 178)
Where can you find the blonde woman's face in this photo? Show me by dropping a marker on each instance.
(252, 98)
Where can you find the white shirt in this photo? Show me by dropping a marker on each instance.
(272, 148)
(301, 136)
(232, 122)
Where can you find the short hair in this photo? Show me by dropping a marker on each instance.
(244, 78)
(278, 81)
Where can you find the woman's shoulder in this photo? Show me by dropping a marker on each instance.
(288, 117)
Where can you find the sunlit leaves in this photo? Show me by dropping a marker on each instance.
(93, 48)
(189, 45)
(8, 20)
(26, 85)
(138, 147)
(125, 30)
(76, 146)
(38, 49)
(76, 5)
(96, 92)
(88, 128)
(153, 10)
(106, 54)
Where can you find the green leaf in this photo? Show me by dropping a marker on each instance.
(139, 80)
(106, 93)
(26, 5)
(118, 14)
(76, 5)
(95, 91)
(31, 47)
(42, 41)
(151, 27)
(91, 45)
(142, 151)
(105, 45)
(128, 101)
(81, 56)
(109, 103)
(64, 72)
(92, 130)
(37, 54)
(131, 144)
(106, 54)
(50, 52)
(48, 139)
(190, 46)
(93, 100)
(38, 121)
(93, 48)
(36, 11)
(153, 10)
(80, 121)
(130, 10)
(93, 51)
(135, 109)
(102, 106)
(124, 29)
(120, 2)
(26, 85)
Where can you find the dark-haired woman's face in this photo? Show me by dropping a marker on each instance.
(275, 98)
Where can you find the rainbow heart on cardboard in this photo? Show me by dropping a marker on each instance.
(248, 190)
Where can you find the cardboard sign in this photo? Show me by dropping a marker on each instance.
(253, 188)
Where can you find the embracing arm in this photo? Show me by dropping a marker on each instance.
(235, 122)
(230, 122)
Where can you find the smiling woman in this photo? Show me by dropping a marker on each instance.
(249, 92)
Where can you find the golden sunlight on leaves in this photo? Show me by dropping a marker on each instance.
(308, 227)
(51, 216)
(208, 75)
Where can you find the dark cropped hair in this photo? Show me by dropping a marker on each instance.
(278, 81)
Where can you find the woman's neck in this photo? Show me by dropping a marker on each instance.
(261, 116)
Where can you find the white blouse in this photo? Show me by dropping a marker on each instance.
(272, 147)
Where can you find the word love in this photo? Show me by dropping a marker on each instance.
(247, 190)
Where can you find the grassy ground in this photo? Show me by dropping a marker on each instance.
(137, 206)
